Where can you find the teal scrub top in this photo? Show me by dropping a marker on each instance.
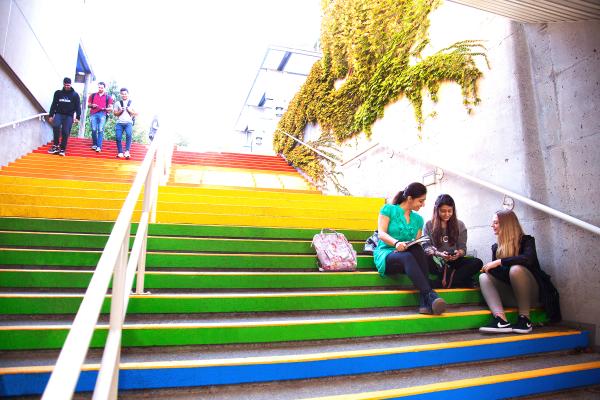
(399, 229)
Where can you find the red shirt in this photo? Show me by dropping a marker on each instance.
(100, 101)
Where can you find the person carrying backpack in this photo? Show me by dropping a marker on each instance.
(100, 105)
(125, 119)
(65, 105)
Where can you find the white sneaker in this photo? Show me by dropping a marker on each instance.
(126, 154)
(98, 149)
(120, 155)
(94, 147)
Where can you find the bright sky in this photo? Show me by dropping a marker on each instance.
(192, 62)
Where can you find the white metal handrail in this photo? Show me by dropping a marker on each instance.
(113, 263)
(532, 203)
(17, 122)
(310, 147)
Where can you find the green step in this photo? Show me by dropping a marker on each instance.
(10, 278)
(72, 258)
(16, 304)
(73, 226)
(31, 337)
(220, 245)
(54, 225)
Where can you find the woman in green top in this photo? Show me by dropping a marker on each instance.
(399, 223)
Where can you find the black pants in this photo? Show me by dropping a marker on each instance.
(412, 262)
(465, 267)
(61, 128)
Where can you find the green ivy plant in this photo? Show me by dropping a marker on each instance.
(371, 58)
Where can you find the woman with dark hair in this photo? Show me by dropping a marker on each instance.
(398, 224)
(448, 246)
(512, 275)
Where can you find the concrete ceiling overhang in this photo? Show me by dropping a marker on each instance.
(539, 11)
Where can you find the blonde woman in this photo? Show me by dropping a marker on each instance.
(511, 275)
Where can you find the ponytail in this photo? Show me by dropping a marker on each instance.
(413, 190)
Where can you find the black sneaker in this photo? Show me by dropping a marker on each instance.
(53, 150)
(523, 325)
(498, 325)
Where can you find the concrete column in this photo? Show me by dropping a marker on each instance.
(84, 108)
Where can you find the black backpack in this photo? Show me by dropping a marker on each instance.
(549, 296)
(128, 104)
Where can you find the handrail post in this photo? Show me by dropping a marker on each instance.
(156, 176)
(149, 205)
(110, 363)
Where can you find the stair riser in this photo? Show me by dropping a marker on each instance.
(32, 240)
(171, 260)
(84, 169)
(265, 210)
(261, 202)
(150, 305)
(46, 225)
(155, 378)
(272, 195)
(267, 221)
(8, 190)
(67, 183)
(56, 199)
(23, 338)
(68, 175)
(61, 208)
(272, 281)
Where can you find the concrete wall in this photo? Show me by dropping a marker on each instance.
(536, 132)
(14, 105)
(39, 41)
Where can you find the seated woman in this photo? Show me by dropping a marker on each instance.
(399, 223)
(510, 275)
(448, 245)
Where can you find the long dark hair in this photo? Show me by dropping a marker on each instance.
(413, 190)
(436, 222)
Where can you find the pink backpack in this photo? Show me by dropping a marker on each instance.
(334, 252)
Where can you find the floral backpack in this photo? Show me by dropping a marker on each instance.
(334, 252)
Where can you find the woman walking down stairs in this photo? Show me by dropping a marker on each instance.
(237, 308)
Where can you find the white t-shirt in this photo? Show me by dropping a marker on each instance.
(124, 117)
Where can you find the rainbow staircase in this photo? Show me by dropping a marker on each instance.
(237, 308)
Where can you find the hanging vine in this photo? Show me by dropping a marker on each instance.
(372, 49)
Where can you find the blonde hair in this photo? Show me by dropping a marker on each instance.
(509, 234)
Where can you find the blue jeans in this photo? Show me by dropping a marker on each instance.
(61, 128)
(97, 121)
(128, 126)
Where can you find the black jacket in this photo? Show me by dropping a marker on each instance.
(66, 102)
(527, 257)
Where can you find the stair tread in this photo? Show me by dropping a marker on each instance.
(191, 354)
(232, 319)
(360, 384)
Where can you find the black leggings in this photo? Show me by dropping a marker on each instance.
(466, 268)
(413, 263)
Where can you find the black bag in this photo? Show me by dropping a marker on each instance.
(549, 296)
(445, 270)
(371, 242)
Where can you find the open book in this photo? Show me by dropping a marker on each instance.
(418, 240)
